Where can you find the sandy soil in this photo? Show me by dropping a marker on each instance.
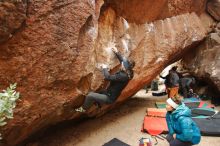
(123, 123)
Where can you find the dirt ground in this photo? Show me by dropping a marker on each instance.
(124, 123)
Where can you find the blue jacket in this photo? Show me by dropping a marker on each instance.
(181, 123)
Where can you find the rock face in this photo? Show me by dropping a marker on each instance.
(150, 10)
(46, 61)
(204, 62)
(213, 8)
(12, 18)
(55, 58)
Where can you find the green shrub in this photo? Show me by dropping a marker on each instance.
(7, 103)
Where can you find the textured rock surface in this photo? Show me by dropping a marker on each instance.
(46, 61)
(149, 10)
(54, 58)
(162, 43)
(207, 21)
(213, 7)
(12, 17)
(204, 62)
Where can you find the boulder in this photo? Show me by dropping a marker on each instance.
(54, 59)
(207, 21)
(12, 18)
(213, 7)
(150, 10)
(204, 61)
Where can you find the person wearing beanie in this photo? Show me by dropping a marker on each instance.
(183, 131)
(118, 82)
(173, 88)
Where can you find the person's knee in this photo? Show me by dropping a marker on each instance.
(169, 138)
(90, 95)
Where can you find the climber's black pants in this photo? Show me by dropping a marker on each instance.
(97, 98)
(176, 142)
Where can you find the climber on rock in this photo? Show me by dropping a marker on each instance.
(118, 81)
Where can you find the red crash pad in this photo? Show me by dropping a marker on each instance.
(156, 112)
(203, 104)
(155, 125)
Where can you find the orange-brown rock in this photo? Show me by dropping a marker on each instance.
(55, 58)
(213, 7)
(204, 62)
(141, 11)
(12, 18)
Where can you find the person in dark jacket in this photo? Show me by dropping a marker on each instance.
(118, 81)
(183, 131)
(185, 85)
(180, 74)
(173, 88)
(166, 80)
